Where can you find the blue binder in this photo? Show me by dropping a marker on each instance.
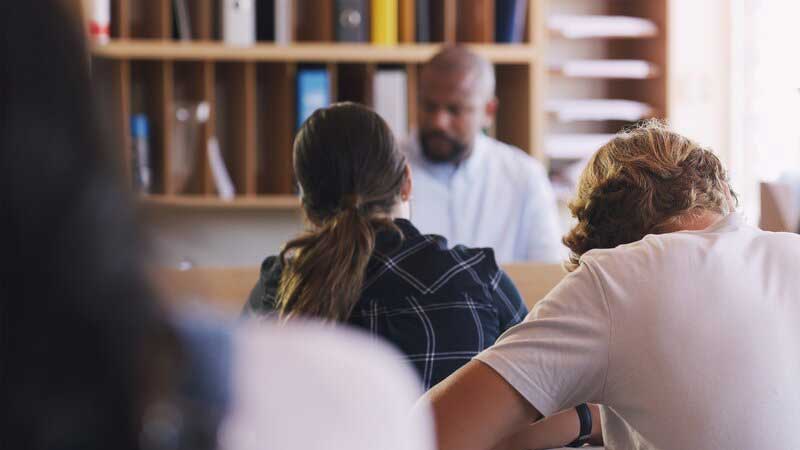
(510, 20)
(313, 92)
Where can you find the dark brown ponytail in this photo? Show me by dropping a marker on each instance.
(351, 173)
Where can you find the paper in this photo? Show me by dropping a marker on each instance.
(606, 68)
(569, 110)
(574, 146)
(577, 27)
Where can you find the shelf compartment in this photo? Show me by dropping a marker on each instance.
(276, 123)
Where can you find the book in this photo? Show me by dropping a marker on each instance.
(265, 20)
(238, 22)
(510, 18)
(422, 12)
(284, 21)
(314, 20)
(384, 22)
(313, 91)
(182, 29)
(390, 87)
(351, 21)
(475, 21)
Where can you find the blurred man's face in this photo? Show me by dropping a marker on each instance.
(453, 110)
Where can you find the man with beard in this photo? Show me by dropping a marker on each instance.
(472, 189)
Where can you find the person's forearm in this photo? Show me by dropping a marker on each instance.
(553, 431)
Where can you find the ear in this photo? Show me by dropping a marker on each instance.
(408, 185)
(490, 112)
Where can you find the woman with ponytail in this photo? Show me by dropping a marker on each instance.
(363, 263)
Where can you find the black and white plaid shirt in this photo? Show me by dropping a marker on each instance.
(439, 306)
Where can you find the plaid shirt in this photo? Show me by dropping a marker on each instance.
(439, 306)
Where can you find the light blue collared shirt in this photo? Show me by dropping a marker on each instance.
(499, 197)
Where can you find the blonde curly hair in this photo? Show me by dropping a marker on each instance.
(646, 180)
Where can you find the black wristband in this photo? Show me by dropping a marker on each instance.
(585, 418)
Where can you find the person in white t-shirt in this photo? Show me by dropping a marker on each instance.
(470, 188)
(678, 318)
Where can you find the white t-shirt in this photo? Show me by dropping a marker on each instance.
(305, 386)
(690, 340)
(499, 197)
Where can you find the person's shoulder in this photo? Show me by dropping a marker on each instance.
(513, 160)
(271, 268)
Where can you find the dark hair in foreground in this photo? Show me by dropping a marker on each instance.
(351, 173)
(79, 333)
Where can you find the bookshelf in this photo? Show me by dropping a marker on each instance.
(251, 90)
(609, 98)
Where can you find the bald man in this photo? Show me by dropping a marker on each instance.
(470, 188)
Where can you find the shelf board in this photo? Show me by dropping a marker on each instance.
(556, 34)
(150, 49)
(655, 72)
(261, 202)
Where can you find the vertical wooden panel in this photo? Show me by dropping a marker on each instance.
(412, 89)
(354, 83)
(475, 21)
(514, 114)
(443, 21)
(537, 78)
(190, 90)
(202, 14)
(165, 117)
(120, 19)
(150, 19)
(276, 113)
(333, 83)
(209, 131)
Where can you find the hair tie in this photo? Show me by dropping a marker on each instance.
(351, 201)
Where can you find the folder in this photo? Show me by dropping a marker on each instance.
(475, 21)
(390, 90)
(407, 21)
(265, 20)
(607, 68)
(238, 22)
(422, 13)
(571, 110)
(384, 22)
(574, 146)
(510, 20)
(284, 21)
(313, 91)
(351, 20)
(314, 20)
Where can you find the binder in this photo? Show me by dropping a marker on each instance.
(313, 91)
(390, 89)
(407, 21)
(284, 21)
(238, 22)
(384, 22)
(265, 20)
(475, 21)
(351, 21)
(510, 20)
(422, 12)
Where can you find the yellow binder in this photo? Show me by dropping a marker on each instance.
(384, 22)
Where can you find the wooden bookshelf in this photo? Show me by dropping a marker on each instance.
(251, 90)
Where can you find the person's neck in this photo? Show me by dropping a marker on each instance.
(695, 221)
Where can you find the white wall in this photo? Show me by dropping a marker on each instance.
(218, 237)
